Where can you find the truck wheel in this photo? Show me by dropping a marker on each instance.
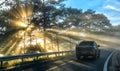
(95, 57)
(98, 55)
(78, 58)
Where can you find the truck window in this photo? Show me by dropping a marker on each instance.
(86, 44)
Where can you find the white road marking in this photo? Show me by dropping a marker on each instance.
(106, 62)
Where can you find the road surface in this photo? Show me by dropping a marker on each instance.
(68, 64)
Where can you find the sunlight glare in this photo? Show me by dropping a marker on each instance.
(22, 15)
(83, 34)
(1, 55)
(40, 41)
(21, 24)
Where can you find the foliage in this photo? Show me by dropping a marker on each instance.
(54, 14)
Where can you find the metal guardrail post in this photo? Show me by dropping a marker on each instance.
(47, 56)
(37, 58)
(22, 60)
(56, 54)
(1, 64)
(62, 53)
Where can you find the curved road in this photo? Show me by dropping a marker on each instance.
(68, 64)
(81, 65)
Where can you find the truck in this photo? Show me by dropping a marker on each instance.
(86, 49)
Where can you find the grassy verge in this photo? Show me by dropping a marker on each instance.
(27, 61)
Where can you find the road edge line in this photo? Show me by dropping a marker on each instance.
(105, 68)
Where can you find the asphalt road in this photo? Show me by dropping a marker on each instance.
(80, 65)
(68, 64)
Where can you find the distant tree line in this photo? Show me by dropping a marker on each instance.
(53, 14)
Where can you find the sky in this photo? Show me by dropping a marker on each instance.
(110, 8)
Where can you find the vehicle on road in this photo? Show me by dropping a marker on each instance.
(87, 48)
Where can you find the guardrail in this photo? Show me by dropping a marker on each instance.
(35, 55)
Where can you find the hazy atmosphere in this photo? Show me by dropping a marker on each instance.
(46, 30)
(35, 24)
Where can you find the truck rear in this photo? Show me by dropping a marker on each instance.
(87, 48)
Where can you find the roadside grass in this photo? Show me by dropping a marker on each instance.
(27, 61)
